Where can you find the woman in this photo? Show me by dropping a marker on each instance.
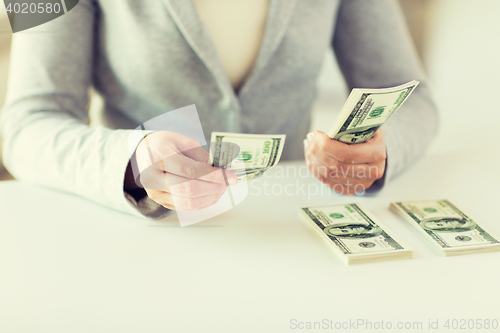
(249, 66)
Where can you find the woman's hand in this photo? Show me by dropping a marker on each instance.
(175, 173)
(346, 169)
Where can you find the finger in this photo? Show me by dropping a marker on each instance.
(193, 188)
(341, 170)
(314, 170)
(320, 170)
(368, 152)
(169, 207)
(346, 188)
(358, 171)
(183, 204)
(161, 145)
(338, 187)
(323, 173)
(197, 153)
(333, 178)
(153, 178)
(355, 185)
(187, 144)
(186, 167)
(328, 164)
(377, 170)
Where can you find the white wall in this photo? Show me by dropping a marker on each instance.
(462, 57)
(463, 54)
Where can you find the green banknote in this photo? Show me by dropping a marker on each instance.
(366, 110)
(247, 155)
(355, 234)
(446, 226)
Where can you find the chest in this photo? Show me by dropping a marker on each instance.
(237, 30)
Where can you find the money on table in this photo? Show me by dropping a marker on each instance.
(366, 110)
(247, 155)
(446, 226)
(355, 234)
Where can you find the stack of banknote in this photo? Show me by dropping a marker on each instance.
(446, 227)
(366, 110)
(355, 234)
(247, 155)
(358, 237)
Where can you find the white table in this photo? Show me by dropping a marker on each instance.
(70, 265)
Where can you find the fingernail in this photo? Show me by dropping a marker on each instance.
(232, 181)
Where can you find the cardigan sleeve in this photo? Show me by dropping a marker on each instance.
(44, 124)
(374, 50)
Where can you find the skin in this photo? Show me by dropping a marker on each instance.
(344, 168)
(180, 177)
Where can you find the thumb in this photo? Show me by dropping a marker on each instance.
(230, 177)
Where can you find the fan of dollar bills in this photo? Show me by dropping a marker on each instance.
(366, 110)
(247, 155)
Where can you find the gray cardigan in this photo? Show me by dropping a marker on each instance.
(148, 57)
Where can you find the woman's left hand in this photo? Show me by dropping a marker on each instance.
(346, 169)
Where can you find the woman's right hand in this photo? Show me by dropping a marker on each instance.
(175, 172)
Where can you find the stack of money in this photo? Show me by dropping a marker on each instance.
(355, 234)
(446, 227)
(366, 110)
(247, 155)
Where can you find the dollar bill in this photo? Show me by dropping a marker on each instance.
(247, 155)
(366, 110)
(355, 234)
(446, 226)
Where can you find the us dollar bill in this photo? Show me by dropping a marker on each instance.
(247, 155)
(355, 234)
(446, 226)
(366, 110)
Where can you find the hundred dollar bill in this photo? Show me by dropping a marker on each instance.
(366, 110)
(247, 155)
(446, 226)
(355, 234)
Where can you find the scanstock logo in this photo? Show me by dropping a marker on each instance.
(26, 14)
